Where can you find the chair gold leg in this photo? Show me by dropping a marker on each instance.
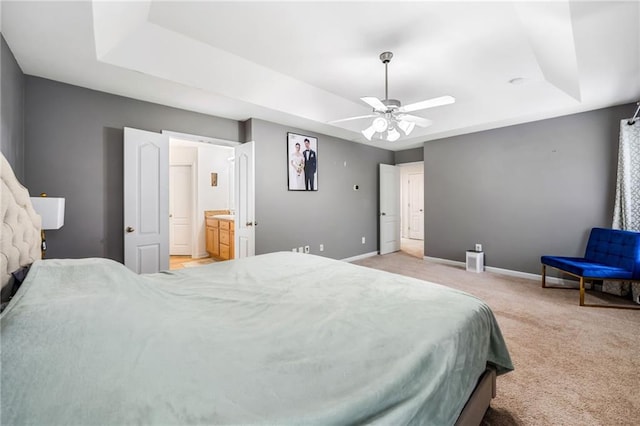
(583, 291)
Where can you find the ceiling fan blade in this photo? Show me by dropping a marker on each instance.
(429, 103)
(353, 118)
(374, 103)
(419, 121)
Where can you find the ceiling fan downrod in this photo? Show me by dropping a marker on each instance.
(385, 57)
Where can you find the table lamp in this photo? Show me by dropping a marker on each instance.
(51, 209)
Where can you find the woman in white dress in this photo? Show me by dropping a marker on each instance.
(296, 173)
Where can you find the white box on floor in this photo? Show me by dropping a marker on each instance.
(475, 261)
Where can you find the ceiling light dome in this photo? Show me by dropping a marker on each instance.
(380, 124)
(393, 135)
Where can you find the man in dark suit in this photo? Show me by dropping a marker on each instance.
(309, 165)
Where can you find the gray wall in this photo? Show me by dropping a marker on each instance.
(12, 110)
(522, 191)
(408, 155)
(335, 215)
(73, 149)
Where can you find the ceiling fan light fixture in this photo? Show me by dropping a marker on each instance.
(368, 132)
(393, 135)
(380, 124)
(391, 118)
(407, 127)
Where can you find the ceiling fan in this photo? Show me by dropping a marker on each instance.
(390, 115)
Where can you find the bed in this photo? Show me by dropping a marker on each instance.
(280, 338)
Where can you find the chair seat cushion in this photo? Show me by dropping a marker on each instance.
(582, 267)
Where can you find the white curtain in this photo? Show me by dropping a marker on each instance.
(626, 213)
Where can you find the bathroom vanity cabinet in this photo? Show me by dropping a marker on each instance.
(219, 236)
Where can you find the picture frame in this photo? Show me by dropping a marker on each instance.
(302, 162)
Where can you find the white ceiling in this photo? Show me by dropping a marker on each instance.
(303, 64)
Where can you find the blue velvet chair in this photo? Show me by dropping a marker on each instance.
(611, 255)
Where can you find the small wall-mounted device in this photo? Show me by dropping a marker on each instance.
(478, 247)
(214, 179)
(356, 187)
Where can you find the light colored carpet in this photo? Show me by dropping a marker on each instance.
(573, 365)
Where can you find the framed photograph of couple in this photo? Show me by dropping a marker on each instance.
(302, 162)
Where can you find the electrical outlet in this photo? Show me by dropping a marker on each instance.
(363, 240)
(478, 247)
(300, 249)
(306, 249)
(321, 247)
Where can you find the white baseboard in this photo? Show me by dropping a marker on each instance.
(360, 256)
(518, 274)
(444, 261)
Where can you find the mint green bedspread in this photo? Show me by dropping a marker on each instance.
(277, 339)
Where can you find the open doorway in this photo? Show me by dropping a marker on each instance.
(146, 198)
(412, 208)
(200, 180)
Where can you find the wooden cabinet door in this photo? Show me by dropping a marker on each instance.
(215, 245)
(211, 237)
(224, 252)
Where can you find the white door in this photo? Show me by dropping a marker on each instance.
(245, 206)
(416, 206)
(180, 209)
(146, 201)
(389, 208)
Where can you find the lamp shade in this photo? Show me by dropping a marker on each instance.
(51, 209)
(368, 132)
(393, 135)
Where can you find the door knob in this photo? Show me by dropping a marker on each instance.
(383, 214)
(249, 223)
(130, 229)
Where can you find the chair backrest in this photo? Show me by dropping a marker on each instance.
(615, 248)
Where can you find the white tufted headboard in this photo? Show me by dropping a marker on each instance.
(20, 238)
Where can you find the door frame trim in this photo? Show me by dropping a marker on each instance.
(202, 139)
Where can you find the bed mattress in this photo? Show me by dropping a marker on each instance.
(281, 338)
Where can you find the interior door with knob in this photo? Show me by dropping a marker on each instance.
(245, 206)
(389, 209)
(146, 201)
(180, 209)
